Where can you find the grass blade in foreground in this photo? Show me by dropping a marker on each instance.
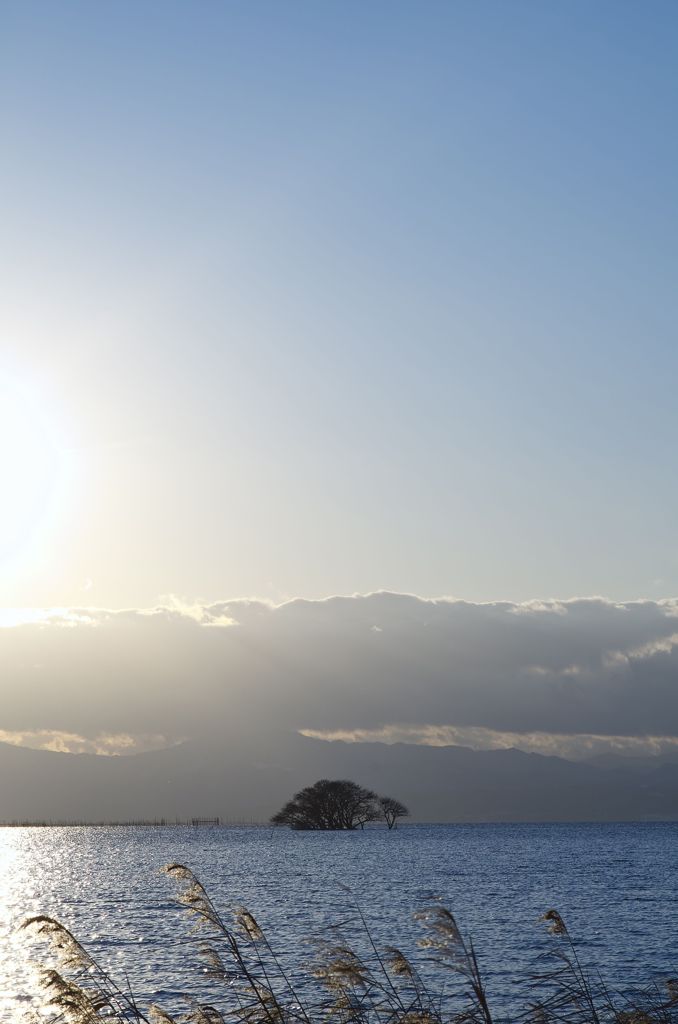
(249, 983)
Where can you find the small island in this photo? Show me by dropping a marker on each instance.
(338, 804)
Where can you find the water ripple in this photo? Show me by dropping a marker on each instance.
(615, 885)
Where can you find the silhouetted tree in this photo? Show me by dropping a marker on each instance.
(330, 804)
(392, 810)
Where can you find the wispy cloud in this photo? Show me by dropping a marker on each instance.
(573, 746)
(72, 743)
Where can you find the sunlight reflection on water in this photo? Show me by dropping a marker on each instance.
(614, 884)
(15, 974)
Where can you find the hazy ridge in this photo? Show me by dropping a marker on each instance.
(248, 777)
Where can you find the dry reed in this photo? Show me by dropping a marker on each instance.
(251, 985)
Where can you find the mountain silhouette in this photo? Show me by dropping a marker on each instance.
(248, 777)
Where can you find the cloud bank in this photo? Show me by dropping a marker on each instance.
(573, 677)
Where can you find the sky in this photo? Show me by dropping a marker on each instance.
(303, 300)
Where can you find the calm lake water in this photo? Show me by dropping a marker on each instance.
(615, 886)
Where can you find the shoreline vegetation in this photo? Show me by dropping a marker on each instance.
(248, 983)
(338, 805)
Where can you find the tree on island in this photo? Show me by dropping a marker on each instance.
(392, 810)
(337, 804)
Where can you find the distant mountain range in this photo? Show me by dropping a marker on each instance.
(247, 779)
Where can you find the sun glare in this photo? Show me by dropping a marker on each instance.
(30, 469)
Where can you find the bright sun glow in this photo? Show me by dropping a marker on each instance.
(30, 469)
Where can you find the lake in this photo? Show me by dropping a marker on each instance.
(615, 886)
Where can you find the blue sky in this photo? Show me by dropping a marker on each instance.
(325, 298)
